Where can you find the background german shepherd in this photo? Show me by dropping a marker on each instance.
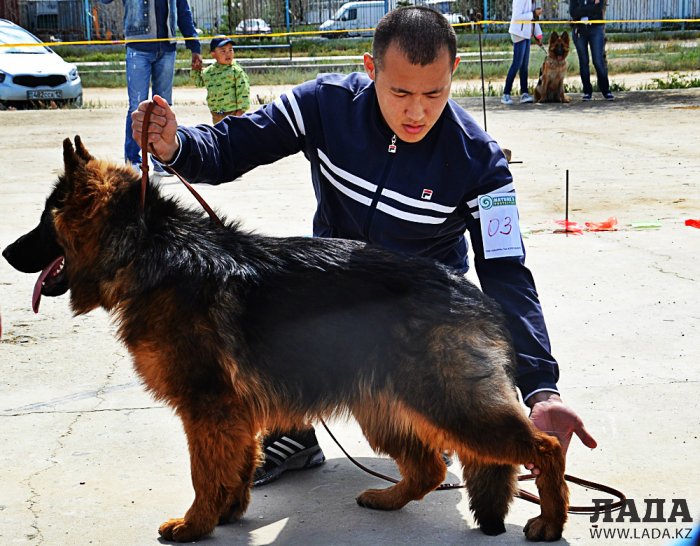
(240, 333)
(550, 86)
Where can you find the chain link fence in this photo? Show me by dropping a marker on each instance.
(69, 20)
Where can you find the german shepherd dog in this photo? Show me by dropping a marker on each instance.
(550, 86)
(241, 333)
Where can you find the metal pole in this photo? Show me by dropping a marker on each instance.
(286, 16)
(483, 87)
(88, 20)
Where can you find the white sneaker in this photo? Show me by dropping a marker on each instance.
(505, 99)
(525, 98)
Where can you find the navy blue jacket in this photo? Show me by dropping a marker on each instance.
(419, 200)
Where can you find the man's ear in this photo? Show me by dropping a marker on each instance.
(370, 67)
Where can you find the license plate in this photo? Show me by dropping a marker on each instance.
(42, 95)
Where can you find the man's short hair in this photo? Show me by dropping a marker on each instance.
(420, 33)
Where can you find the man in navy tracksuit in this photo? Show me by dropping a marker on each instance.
(394, 163)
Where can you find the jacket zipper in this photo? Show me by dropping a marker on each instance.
(391, 149)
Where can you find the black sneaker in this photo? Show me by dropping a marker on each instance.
(293, 450)
(609, 96)
(587, 97)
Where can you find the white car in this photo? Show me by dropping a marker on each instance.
(30, 73)
(253, 26)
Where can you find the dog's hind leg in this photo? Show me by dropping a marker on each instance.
(222, 459)
(421, 466)
(509, 440)
(554, 494)
(491, 489)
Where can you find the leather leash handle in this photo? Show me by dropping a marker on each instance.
(144, 152)
(144, 169)
(612, 507)
(521, 493)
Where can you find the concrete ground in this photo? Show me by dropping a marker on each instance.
(88, 458)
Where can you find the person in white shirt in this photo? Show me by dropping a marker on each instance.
(521, 31)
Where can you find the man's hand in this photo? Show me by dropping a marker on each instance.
(551, 415)
(162, 129)
(196, 61)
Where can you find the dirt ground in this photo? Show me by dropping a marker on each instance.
(89, 458)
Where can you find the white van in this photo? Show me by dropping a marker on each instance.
(449, 9)
(357, 18)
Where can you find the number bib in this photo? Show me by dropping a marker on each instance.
(500, 230)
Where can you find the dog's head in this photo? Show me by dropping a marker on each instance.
(64, 247)
(559, 45)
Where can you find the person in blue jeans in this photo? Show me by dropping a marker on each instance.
(152, 63)
(521, 31)
(591, 35)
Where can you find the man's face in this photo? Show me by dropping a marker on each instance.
(411, 97)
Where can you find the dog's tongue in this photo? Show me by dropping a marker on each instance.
(36, 295)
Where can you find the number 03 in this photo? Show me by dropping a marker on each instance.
(495, 226)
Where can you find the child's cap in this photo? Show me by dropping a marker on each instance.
(218, 41)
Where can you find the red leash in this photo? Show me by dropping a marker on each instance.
(522, 494)
(144, 168)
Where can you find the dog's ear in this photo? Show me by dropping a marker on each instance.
(554, 37)
(565, 36)
(71, 160)
(81, 150)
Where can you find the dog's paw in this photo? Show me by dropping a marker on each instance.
(380, 499)
(178, 530)
(492, 527)
(538, 529)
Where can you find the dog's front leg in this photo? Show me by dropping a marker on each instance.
(222, 461)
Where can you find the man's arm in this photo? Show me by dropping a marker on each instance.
(186, 25)
(238, 144)
(510, 283)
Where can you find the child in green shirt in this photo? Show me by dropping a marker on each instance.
(228, 88)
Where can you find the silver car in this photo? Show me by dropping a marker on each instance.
(30, 73)
(253, 26)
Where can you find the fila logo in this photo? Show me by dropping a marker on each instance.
(427, 194)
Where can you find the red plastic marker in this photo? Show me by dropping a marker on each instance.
(692, 222)
(569, 227)
(609, 225)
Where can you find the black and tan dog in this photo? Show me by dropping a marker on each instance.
(240, 333)
(550, 86)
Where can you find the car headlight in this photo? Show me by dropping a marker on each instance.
(2, 76)
(73, 74)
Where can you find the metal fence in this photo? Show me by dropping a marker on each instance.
(91, 20)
